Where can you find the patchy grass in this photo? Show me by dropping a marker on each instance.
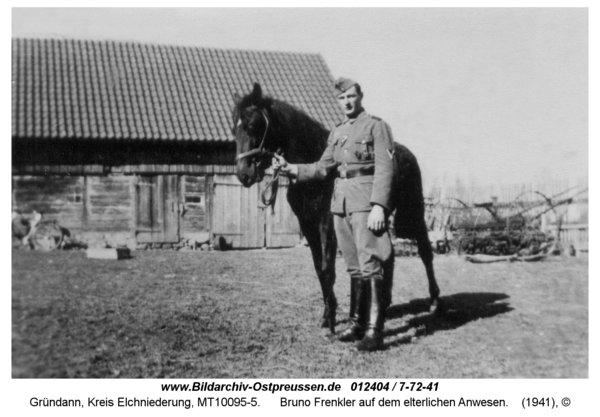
(255, 314)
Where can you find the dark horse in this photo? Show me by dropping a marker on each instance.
(262, 126)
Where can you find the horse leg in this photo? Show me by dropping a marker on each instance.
(426, 254)
(388, 281)
(321, 240)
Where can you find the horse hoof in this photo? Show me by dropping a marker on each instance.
(435, 307)
(328, 324)
(351, 334)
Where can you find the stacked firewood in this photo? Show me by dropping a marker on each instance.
(522, 243)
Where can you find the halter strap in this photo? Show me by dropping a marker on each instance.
(262, 142)
(249, 153)
(259, 150)
(272, 186)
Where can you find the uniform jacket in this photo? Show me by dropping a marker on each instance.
(364, 143)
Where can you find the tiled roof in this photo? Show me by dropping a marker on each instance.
(116, 90)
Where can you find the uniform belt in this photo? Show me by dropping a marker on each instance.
(352, 173)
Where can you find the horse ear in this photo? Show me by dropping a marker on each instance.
(237, 99)
(257, 91)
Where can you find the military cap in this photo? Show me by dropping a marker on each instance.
(342, 84)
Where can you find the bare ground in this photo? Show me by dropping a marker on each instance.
(255, 314)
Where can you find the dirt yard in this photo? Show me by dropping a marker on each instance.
(255, 314)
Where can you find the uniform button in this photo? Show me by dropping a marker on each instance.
(346, 164)
(345, 150)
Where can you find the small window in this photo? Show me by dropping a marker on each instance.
(193, 194)
(192, 199)
(75, 195)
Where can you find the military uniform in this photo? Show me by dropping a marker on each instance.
(360, 151)
(360, 154)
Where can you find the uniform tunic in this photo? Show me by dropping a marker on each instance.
(364, 144)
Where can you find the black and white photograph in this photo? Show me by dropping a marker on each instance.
(315, 193)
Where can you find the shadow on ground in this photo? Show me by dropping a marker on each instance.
(455, 311)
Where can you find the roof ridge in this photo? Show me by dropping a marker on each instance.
(160, 44)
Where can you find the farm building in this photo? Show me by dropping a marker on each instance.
(130, 143)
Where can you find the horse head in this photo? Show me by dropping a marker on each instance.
(252, 130)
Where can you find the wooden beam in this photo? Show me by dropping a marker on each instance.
(123, 169)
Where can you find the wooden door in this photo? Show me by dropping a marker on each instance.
(240, 217)
(236, 214)
(157, 208)
(282, 227)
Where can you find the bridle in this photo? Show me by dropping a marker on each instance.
(257, 156)
(257, 153)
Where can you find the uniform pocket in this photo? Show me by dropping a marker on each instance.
(365, 146)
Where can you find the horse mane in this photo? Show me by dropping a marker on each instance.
(305, 139)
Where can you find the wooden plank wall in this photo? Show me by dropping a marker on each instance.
(194, 222)
(59, 198)
(109, 203)
(213, 205)
(122, 169)
(78, 203)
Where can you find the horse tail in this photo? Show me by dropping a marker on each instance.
(407, 195)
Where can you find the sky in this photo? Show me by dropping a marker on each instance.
(480, 95)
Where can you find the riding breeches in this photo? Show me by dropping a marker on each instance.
(364, 252)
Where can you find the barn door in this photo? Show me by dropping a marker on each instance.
(240, 217)
(157, 208)
(236, 214)
(282, 228)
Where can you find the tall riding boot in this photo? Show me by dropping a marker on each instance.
(373, 338)
(388, 282)
(358, 310)
(354, 283)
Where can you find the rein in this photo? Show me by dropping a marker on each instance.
(272, 186)
(269, 194)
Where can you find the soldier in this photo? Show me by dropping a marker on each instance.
(360, 154)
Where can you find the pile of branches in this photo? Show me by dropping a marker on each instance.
(522, 243)
(405, 247)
